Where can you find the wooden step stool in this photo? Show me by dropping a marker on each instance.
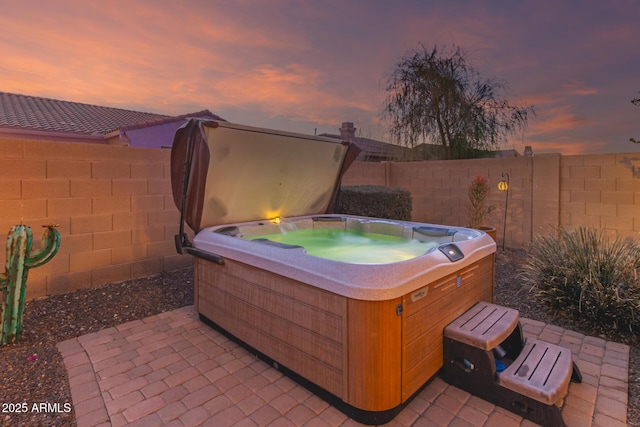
(486, 355)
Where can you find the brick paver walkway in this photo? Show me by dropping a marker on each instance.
(173, 370)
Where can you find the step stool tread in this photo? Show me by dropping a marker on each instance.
(483, 326)
(541, 372)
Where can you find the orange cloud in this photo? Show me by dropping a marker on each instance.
(575, 87)
(556, 120)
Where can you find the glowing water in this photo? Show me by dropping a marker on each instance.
(352, 246)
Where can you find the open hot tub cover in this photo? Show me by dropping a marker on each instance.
(224, 173)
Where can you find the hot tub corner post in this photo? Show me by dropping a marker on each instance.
(375, 358)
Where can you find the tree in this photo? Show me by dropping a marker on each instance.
(437, 96)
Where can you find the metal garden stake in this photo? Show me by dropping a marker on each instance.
(503, 185)
(13, 282)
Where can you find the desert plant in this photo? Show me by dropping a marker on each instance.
(588, 277)
(477, 209)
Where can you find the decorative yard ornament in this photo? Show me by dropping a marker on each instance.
(13, 282)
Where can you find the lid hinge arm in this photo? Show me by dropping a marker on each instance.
(181, 239)
(183, 244)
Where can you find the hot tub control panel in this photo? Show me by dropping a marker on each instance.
(451, 251)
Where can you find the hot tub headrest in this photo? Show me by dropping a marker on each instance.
(232, 230)
(434, 231)
(277, 244)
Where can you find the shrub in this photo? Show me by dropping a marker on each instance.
(589, 277)
(477, 209)
(375, 201)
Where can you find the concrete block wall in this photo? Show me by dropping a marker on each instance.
(601, 191)
(113, 205)
(545, 197)
(366, 173)
(439, 191)
(546, 191)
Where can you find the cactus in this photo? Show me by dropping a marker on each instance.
(13, 283)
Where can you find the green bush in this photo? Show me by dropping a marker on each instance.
(375, 201)
(589, 277)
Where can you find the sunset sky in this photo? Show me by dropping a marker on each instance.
(307, 65)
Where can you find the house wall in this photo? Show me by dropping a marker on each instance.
(545, 191)
(113, 205)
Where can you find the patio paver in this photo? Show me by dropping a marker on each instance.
(172, 369)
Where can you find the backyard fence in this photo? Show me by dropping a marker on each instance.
(113, 206)
(117, 218)
(545, 192)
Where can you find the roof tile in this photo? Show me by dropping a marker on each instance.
(30, 112)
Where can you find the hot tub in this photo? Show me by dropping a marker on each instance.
(363, 331)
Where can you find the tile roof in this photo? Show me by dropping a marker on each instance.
(372, 149)
(52, 115)
(170, 119)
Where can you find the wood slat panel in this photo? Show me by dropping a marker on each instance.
(417, 349)
(299, 362)
(299, 291)
(265, 316)
(447, 283)
(426, 319)
(415, 377)
(326, 324)
(417, 317)
(305, 340)
(445, 311)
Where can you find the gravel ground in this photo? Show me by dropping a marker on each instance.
(33, 372)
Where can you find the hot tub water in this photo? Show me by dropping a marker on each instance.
(352, 246)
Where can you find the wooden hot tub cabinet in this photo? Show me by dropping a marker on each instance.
(368, 357)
